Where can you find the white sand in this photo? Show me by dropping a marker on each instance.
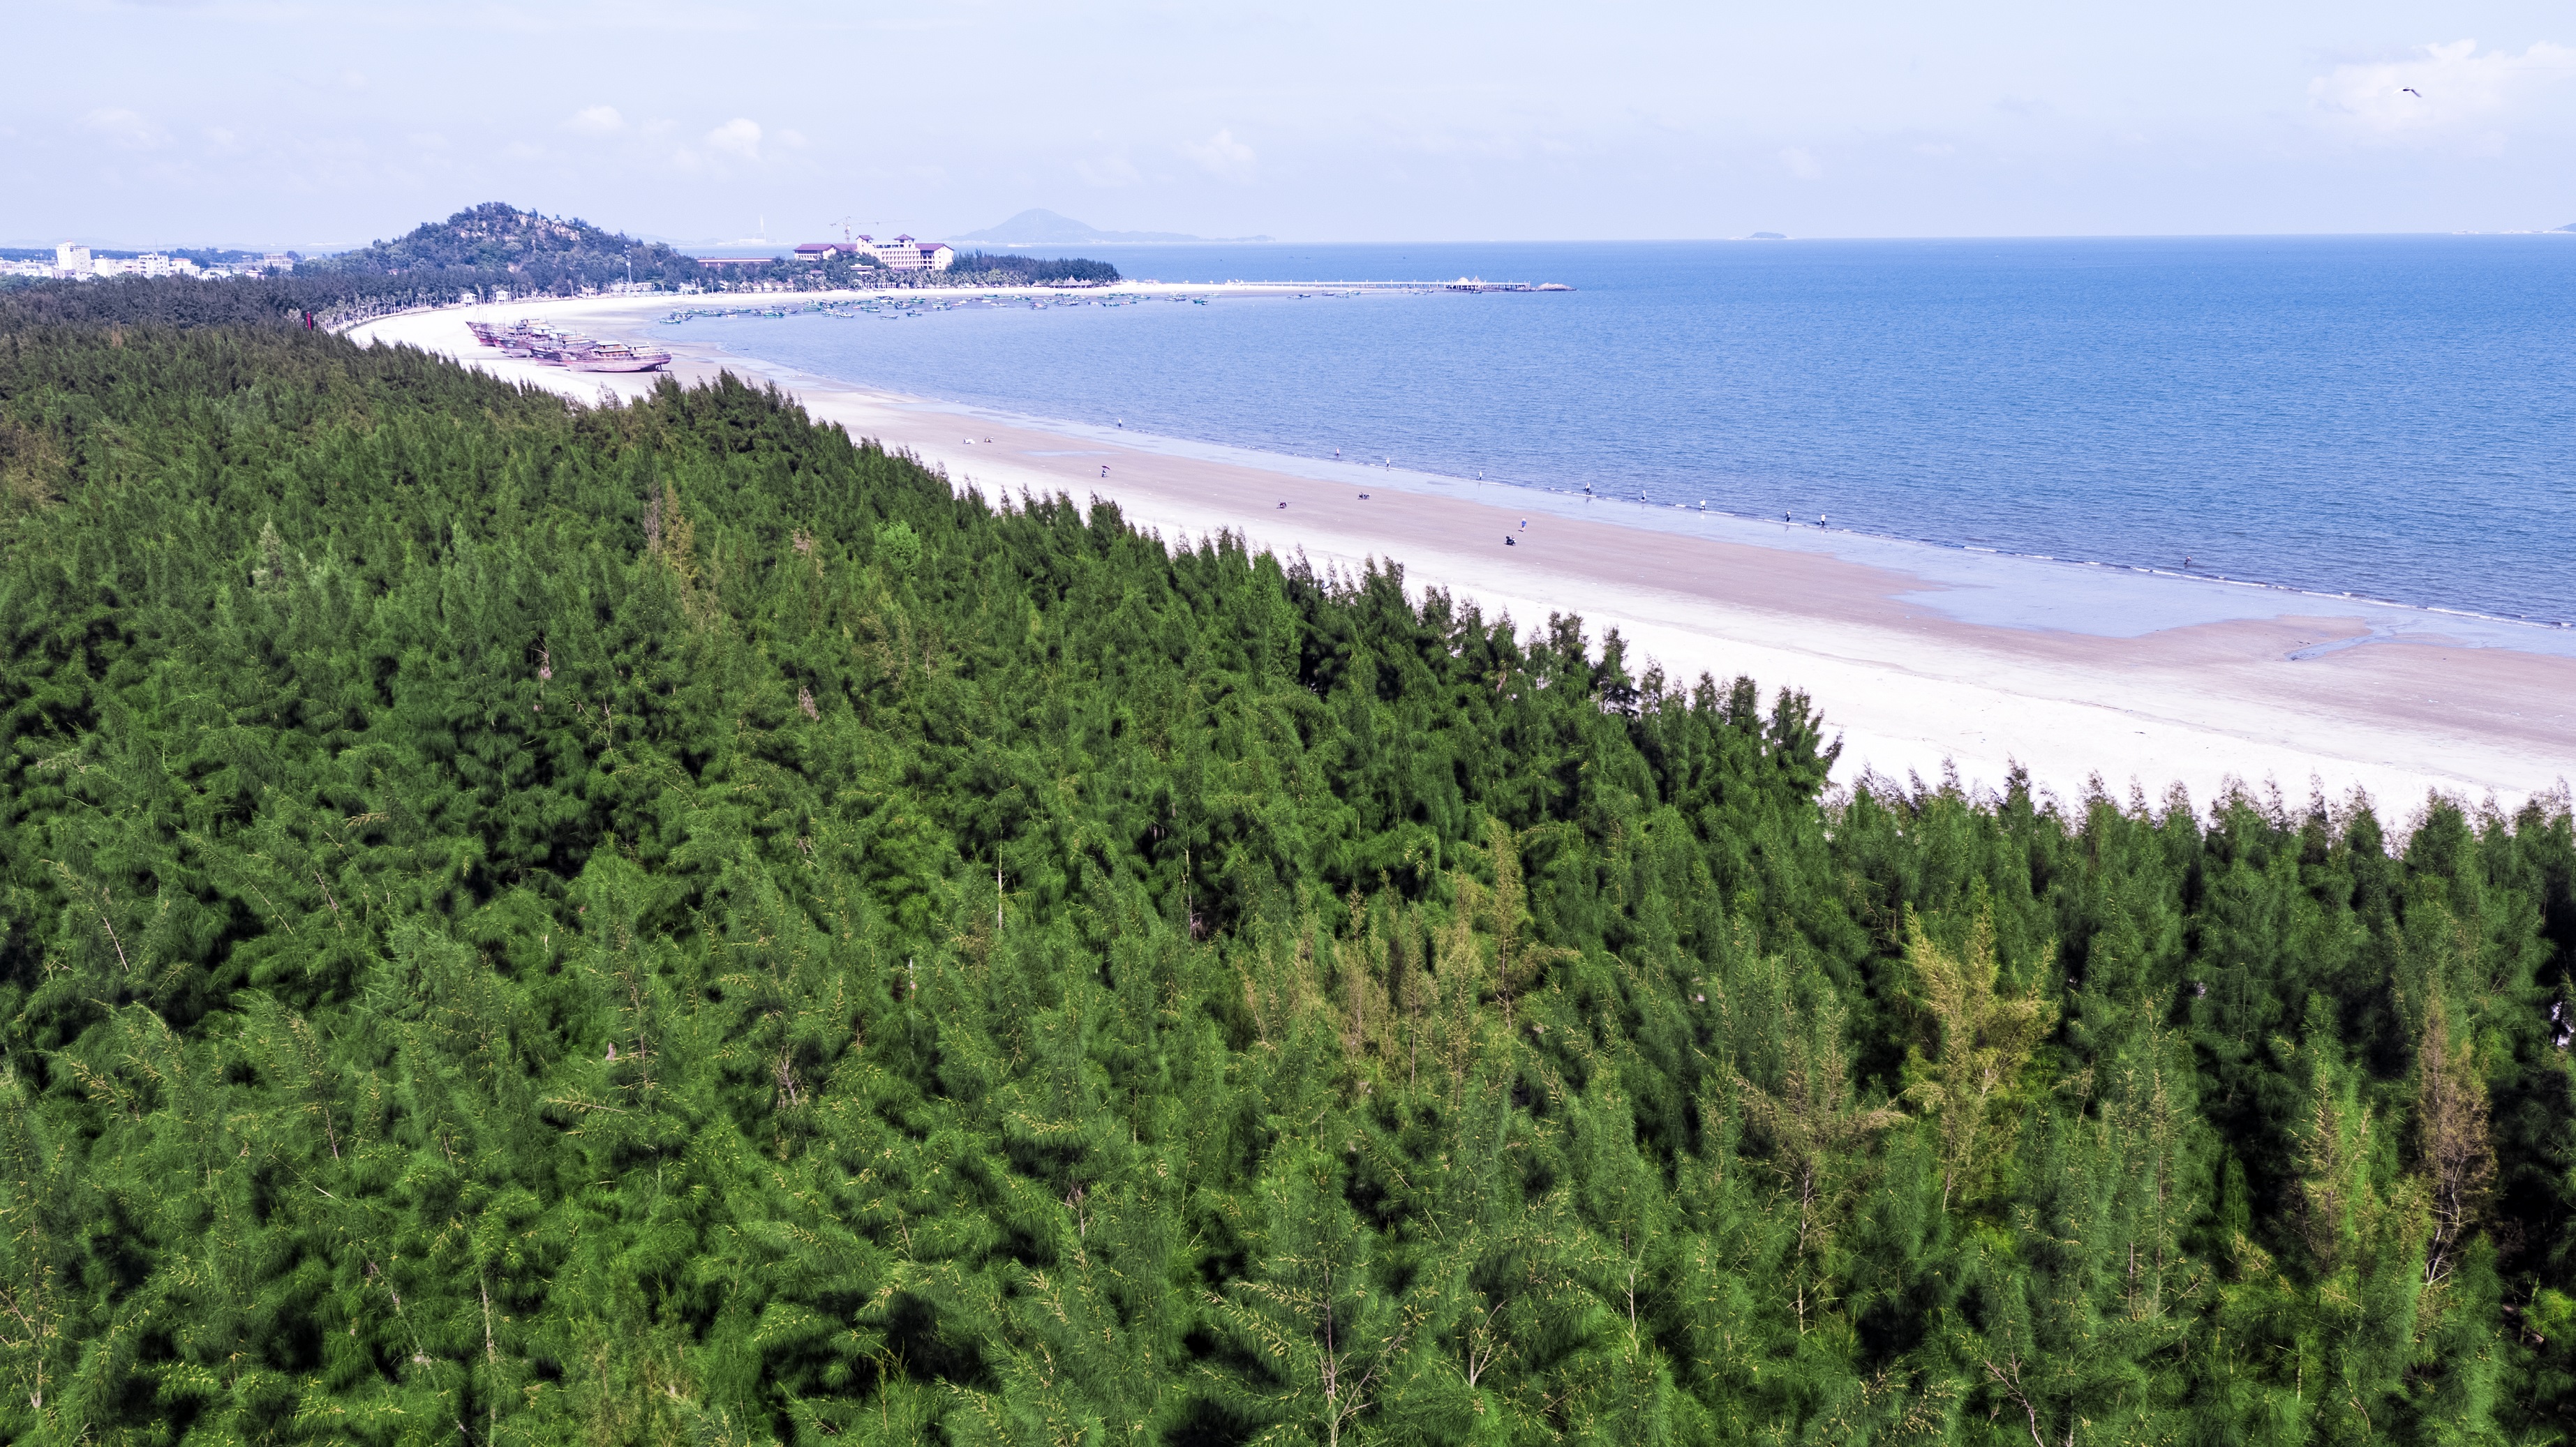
(1910, 688)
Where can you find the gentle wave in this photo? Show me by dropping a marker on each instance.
(2376, 418)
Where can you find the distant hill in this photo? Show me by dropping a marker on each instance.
(1046, 228)
(499, 238)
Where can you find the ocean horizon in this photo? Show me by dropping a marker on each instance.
(2387, 417)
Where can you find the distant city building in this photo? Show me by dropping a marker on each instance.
(278, 261)
(72, 260)
(152, 263)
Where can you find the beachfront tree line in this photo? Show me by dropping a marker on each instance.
(841, 269)
(524, 923)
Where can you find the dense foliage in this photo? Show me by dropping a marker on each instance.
(1009, 268)
(246, 301)
(521, 249)
(969, 269)
(533, 924)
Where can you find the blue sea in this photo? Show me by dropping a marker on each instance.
(2393, 417)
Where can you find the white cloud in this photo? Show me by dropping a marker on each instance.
(123, 127)
(1802, 163)
(1108, 171)
(1222, 156)
(739, 137)
(2439, 88)
(596, 121)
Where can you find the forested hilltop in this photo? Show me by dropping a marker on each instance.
(529, 924)
(544, 253)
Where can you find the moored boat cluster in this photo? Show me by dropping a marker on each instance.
(541, 343)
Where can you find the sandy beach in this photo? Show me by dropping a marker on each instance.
(1922, 658)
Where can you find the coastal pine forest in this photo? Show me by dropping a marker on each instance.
(533, 923)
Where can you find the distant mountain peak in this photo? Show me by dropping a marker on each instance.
(1040, 227)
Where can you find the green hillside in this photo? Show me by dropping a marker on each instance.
(529, 924)
(496, 239)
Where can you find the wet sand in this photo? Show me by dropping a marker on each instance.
(1896, 643)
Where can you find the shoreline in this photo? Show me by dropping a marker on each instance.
(2124, 608)
(1921, 654)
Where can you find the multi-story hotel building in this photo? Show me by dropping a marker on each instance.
(901, 254)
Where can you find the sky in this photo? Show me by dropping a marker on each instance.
(279, 123)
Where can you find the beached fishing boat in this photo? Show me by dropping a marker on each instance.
(620, 357)
(537, 342)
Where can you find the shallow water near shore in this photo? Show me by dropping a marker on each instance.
(2384, 417)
